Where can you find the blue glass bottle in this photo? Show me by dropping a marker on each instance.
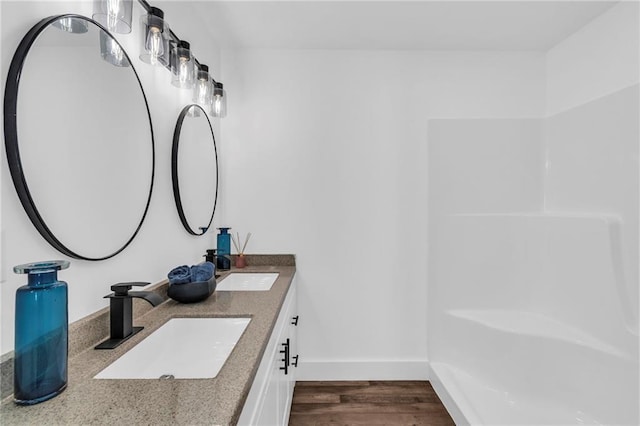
(224, 249)
(41, 333)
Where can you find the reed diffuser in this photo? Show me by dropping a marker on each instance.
(241, 262)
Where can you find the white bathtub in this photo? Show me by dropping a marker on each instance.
(533, 320)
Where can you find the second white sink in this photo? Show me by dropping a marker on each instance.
(248, 281)
(183, 348)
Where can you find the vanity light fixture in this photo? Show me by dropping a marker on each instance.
(163, 47)
(182, 71)
(71, 25)
(155, 38)
(219, 105)
(114, 15)
(111, 51)
(202, 91)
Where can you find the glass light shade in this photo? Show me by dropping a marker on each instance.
(203, 89)
(194, 112)
(72, 25)
(111, 51)
(155, 38)
(114, 15)
(182, 74)
(219, 104)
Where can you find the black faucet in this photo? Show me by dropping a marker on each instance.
(121, 312)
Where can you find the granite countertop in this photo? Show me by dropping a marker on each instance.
(216, 401)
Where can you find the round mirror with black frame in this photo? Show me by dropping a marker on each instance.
(194, 169)
(78, 137)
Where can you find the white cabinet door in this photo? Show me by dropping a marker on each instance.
(269, 414)
(282, 377)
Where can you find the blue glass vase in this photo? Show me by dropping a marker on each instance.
(224, 249)
(41, 333)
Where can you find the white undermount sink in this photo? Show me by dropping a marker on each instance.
(247, 281)
(183, 348)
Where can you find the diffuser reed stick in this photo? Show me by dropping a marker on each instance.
(235, 242)
(246, 242)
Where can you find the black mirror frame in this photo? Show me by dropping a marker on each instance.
(174, 170)
(11, 138)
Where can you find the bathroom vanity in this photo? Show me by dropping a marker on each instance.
(254, 386)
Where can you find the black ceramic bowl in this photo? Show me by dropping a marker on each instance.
(192, 292)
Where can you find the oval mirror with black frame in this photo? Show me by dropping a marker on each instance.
(78, 137)
(194, 169)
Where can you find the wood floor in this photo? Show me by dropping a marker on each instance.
(367, 403)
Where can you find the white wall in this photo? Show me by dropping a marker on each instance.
(162, 242)
(600, 58)
(591, 136)
(325, 157)
(485, 166)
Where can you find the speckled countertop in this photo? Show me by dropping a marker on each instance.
(216, 401)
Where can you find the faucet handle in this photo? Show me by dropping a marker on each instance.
(122, 289)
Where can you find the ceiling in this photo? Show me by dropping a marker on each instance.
(403, 25)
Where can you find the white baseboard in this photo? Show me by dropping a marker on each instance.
(363, 370)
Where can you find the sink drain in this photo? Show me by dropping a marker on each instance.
(167, 376)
